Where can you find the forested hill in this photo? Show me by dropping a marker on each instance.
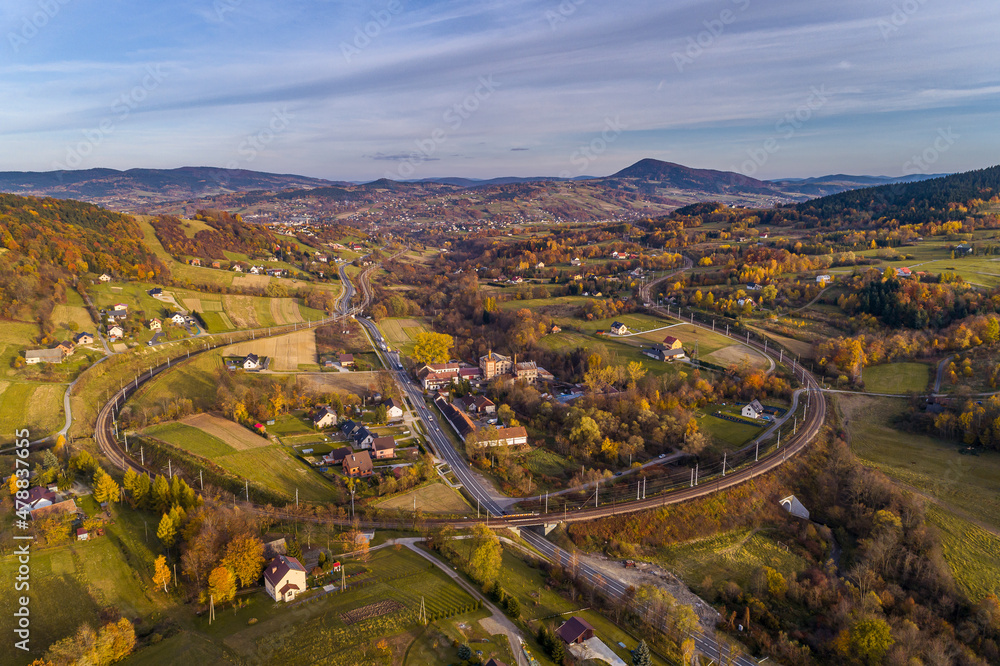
(217, 233)
(937, 199)
(47, 243)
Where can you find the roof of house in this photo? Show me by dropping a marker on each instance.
(494, 662)
(67, 506)
(618, 324)
(362, 433)
(40, 492)
(253, 358)
(81, 336)
(524, 366)
(669, 340)
(390, 403)
(279, 567)
(360, 460)
(482, 401)
(322, 413)
(346, 358)
(756, 406)
(338, 455)
(384, 443)
(47, 355)
(573, 628)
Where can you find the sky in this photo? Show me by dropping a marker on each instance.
(410, 89)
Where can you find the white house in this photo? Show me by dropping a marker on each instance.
(619, 328)
(284, 578)
(105, 278)
(251, 362)
(178, 318)
(823, 279)
(576, 262)
(116, 331)
(746, 301)
(155, 325)
(392, 410)
(324, 418)
(753, 410)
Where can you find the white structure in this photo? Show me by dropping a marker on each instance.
(823, 279)
(392, 410)
(251, 362)
(177, 318)
(792, 505)
(35, 356)
(619, 328)
(116, 331)
(155, 325)
(105, 277)
(325, 418)
(753, 410)
(284, 578)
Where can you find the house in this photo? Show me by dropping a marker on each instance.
(753, 410)
(105, 277)
(33, 356)
(82, 534)
(66, 347)
(324, 418)
(821, 280)
(494, 662)
(251, 362)
(555, 329)
(494, 364)
(115, 332)
(39, 497)
(392, 410)
(363, 437)
(178, 318)
(526, 371)
(67, 506)
(517, 436)
(358, 464)
(458, 419)
(754, 287)
(238, 268)
(196, 262)
(346, 360)
(435, 381)
(384, 447)
(336, 457)
(661, 353)
(155, 325)
(670, 342)
(284, 578)
(619, 328)
(539, 266)
(575, 630)
(155, 292)
(903, 271)
(216, 264)
(748, 302)
(84, 339)
(119, 311)
(576, 262)
(963, 249)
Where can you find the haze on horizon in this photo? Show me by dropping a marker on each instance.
(416, 89)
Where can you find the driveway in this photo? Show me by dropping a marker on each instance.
(594, 648)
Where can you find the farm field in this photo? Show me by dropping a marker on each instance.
(195, 379)
(433, 498)
(736, 354)
(285, 311)
(732, 556)
(566, 340)
(37, 407)
(972, 552)
(566, 303)
(189, 438)
(964, 485)
(688, 334)
(339, 382)
(217, 322)
(898, 377)
(231, 434)
(287, 352)
(727, 433)
(275, 468)
(401, 333)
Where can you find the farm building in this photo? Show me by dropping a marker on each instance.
(575, 630)
(33, 356)
(284, 578)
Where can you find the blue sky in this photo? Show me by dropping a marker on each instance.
(391, 88)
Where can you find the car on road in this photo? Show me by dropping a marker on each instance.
(662, 455)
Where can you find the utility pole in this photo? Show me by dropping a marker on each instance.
(247, 487)
(170, 468)
(644, 488)
(696, 474)
(756, 453)
(201, 481)
(142, 456)
(724, 456)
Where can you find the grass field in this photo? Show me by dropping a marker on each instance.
(37, 407)
(189, 438)
(965, 485)
(70, 584)
(972, 553)
(625, 353)
(727, 433)
(274, 468)
(898, 378)
(401, 332)
(688, 334)
(285, 311)
(730, 556)
(539, 601)
(287, 352)
(231, 434)
(433, 498)
(217, 322)
(194, 379)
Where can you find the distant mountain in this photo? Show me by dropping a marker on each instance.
(833, 184)
(469, 183)
(108, 185)
(678, 176)
(934, 199)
